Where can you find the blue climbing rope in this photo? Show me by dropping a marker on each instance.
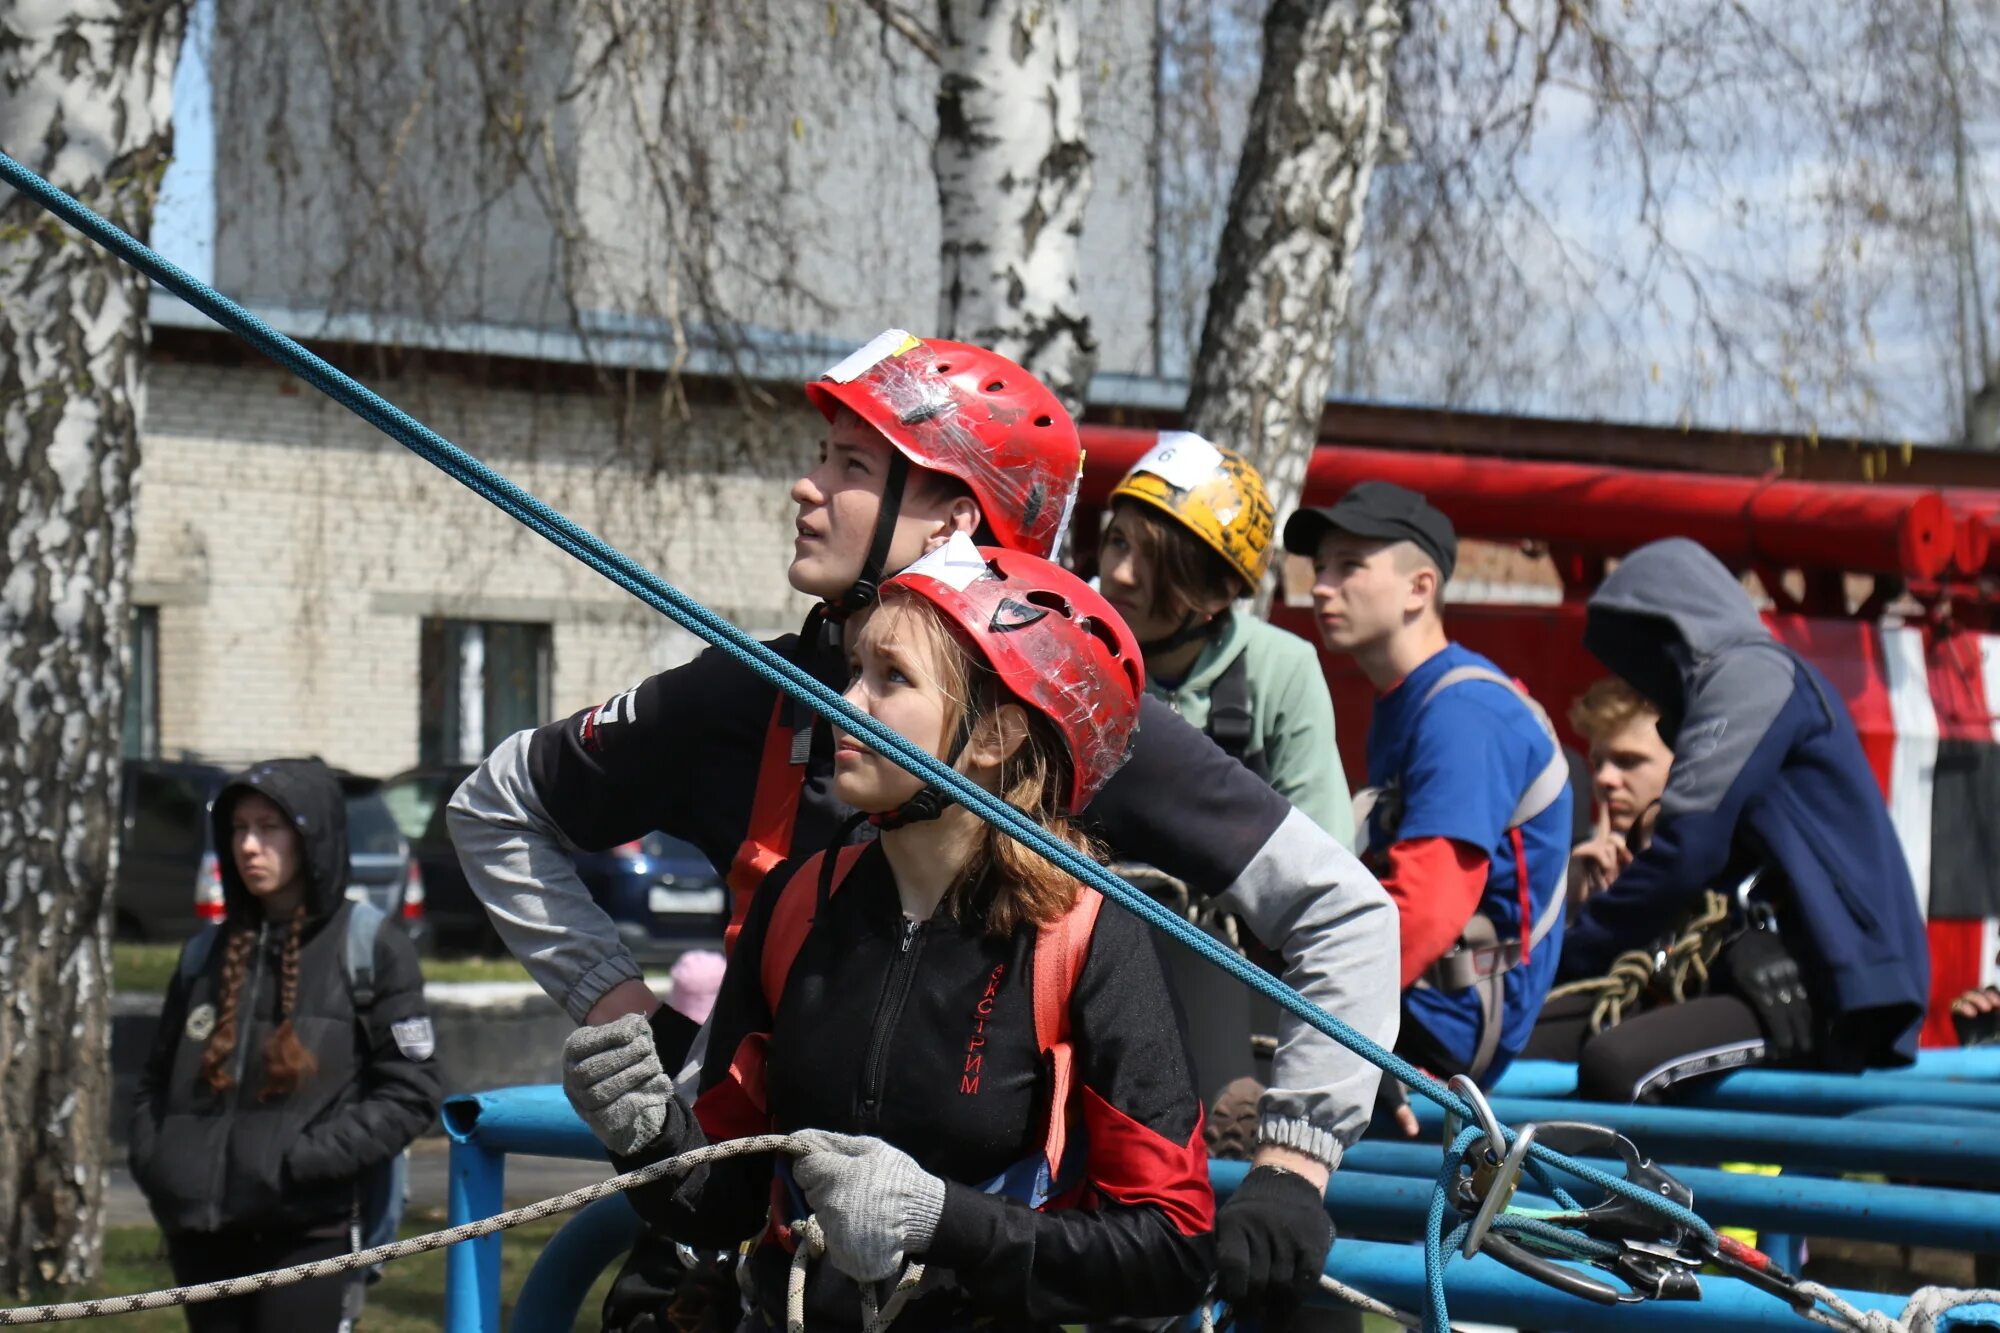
(683, 610)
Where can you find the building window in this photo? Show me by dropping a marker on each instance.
(481, 681)
(141, 738)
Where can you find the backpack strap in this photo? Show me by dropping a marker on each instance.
(1230, 722)
(1480, 959)
(364, 923)
(1061, 948)
(774, 811)
(194, 957)
(792, 917)
(1554, 777)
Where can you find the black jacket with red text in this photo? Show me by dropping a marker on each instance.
(923, 1034)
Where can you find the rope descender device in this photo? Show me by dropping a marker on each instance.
(1630, 1241)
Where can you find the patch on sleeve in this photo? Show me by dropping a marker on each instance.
(414, 1037)
(201, 1022)
(621, 708)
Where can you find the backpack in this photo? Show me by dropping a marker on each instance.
(1061, 948)
(381, 1190)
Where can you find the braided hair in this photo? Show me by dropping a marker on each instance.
(288, 1061)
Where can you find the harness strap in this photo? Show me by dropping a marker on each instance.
(1060, 950)
(774, 812)
(1480, 959)
(792, 918)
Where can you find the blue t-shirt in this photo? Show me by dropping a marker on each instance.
(1461, 765)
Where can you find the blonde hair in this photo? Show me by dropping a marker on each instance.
(1003, 883)
(1607, 708)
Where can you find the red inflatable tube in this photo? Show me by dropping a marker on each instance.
(1608, 510)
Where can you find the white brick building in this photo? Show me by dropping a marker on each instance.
(304, 585)
(290, 559)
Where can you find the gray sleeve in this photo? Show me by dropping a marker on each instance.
(518, 865)
(1732, 703)
(1309, 898)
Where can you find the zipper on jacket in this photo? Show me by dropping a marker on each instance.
(895, 993)
(246, 1016)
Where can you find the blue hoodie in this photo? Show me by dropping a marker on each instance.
(1766, 765)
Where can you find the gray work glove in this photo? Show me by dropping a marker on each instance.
(875, 1204)
(612, 1076)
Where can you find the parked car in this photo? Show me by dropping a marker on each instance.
(169, 881)
(661, 892)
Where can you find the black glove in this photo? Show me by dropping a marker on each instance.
(1271, 1243)
(1766, 977)
(1976, 1029)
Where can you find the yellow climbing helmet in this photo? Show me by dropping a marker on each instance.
(1214, 493)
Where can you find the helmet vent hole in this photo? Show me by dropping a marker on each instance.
(1105, 635)
(1045, 420)
(1053, 601)
(944, 368)
(996, 386)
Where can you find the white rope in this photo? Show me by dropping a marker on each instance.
(812, 1243)
(1921, 1314)
(437, 1240)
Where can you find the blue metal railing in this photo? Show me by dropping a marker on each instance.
(1798, 1092)
(1384, 1190)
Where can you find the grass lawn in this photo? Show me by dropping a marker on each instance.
(408, 1299)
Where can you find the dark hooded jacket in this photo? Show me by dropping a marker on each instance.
(1768, 771)
(212, 1161)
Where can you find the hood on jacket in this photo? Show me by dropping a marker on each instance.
(1668, 606)
(309, 794)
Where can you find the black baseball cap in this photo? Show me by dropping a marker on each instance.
(1381, 510)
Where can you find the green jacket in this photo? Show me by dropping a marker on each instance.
(1291, 710)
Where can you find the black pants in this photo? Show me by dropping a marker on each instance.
(1648, 1053)
(304, 1307)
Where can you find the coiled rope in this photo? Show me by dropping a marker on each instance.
(1637, 973)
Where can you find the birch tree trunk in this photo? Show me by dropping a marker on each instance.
(1013, 175)
(85, 96)
(1286, 260)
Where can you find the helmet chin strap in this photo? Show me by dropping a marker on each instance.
(1191, 629)
(932, 800)
(867, 585)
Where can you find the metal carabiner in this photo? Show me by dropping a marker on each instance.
(1496, 1133)
(1499, 1191)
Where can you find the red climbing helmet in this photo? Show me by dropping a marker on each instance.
(1055, 643)
(971, 414)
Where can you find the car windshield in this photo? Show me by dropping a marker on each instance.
(685, 857)
(412, 801)
(370, 829)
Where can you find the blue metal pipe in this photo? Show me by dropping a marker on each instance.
(1956, 1116)
(487, 1125)
(1781, 1091)
(1807, 1205)
(535, 1119)
(472, 1270)
(1971, 1062)
(563, 1273)
(1961, 1151)
(1484, 1290)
